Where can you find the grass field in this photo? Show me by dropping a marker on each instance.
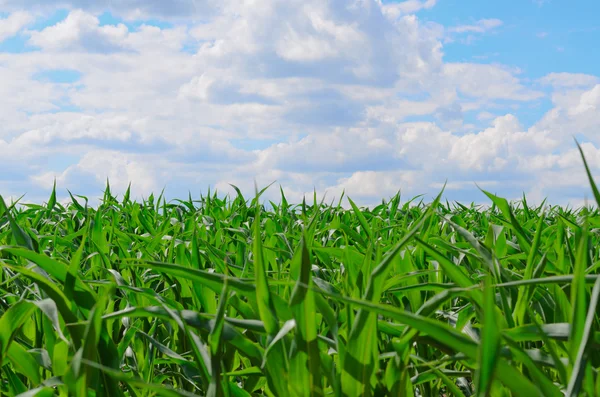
(236, 297)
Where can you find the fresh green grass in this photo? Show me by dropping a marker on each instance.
(229, 297)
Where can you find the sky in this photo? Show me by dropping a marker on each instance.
(366, 97)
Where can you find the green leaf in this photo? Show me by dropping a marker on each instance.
(490, 342)
(580, 362)
(361, 219)
(305, 373)
(24, 363)
(81, 293)
(52, 199)
(11, 321)
(589, 175)
(21, 237)
(579, 300)
(525, 293)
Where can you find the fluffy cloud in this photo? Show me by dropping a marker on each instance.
(488, 81)
(569, 80)
(13, 24)
(575, 113)
(118, 168)
(588, 102)
(338, 95)
(82, 31)
(334, 40)
(78, 32)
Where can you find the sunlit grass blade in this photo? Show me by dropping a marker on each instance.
(11, 321)
(490, 341)
(305, 372)
(361, 219)
(215, 387)
(579, 300)
(525, 293)
(580, 361)
(593, 186)
(21, 237)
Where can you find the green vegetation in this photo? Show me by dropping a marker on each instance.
(229, 297)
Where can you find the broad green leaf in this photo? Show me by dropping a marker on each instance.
(490, 342)
(305, 372)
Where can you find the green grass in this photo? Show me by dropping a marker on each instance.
(229, 297)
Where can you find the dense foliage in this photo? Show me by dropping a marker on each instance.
(224, 296)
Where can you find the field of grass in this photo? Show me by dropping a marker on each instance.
(236, 297)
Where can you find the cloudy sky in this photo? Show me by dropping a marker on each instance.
(365, 96)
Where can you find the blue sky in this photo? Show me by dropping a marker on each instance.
(334, 95)
(537, 37)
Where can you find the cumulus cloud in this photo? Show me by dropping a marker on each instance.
(575, 113)
(80, 31)
(588, 102)
(100, 166)
(13, 24)
(334, 40)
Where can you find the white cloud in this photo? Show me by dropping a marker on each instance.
(489, 81)
(492, 148)
(575, 113)
(78, 32)
(63, 127)
(198, 88)
(395, 10)
(470, 33)
(362, 184)
(118, 168)
(481, 26)
(13, 24)
(340, 150)
(569, 80)
(397, 111)
(588, 102)
(328, 39)
(82, 32)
